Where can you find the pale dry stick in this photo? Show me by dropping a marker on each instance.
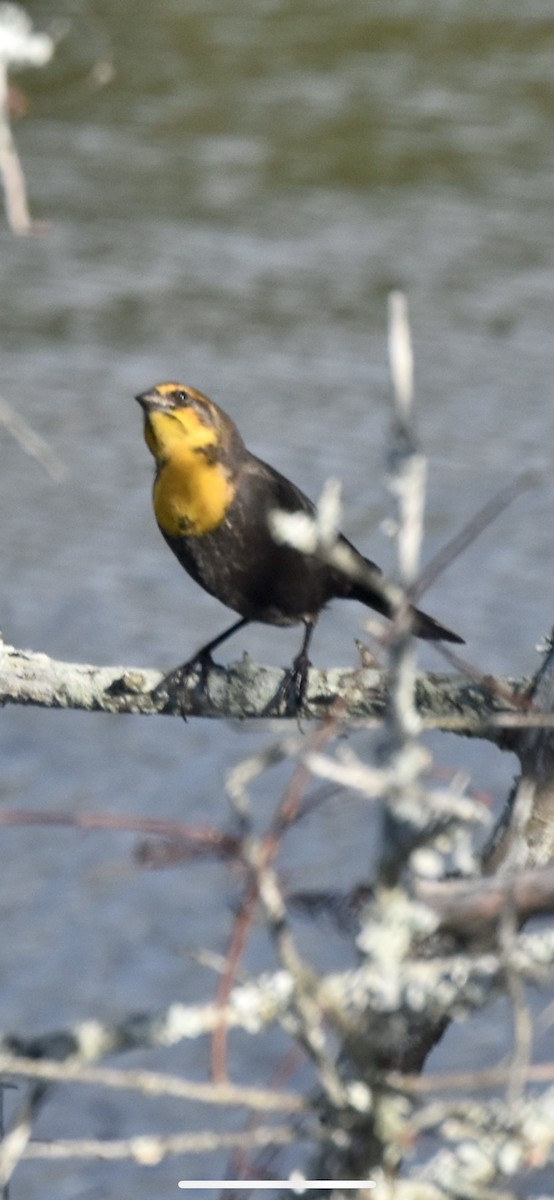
(19, 47)
(31, 441)
(535, 750)
(150, 1083)
(514, 860)
(16, 1140)
(150, 1149)
(407, 466)
(404, 805)
(406, 481)
(522, 1016)
(467, 1081)
(11, 173)
(473, 529)
(247, 771)
(350, 772)
(473, 906)
(306, 1010)
(3, 1086)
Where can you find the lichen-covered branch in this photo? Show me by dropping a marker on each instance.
(247, 690)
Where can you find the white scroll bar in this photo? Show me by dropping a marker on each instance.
(295, 1184)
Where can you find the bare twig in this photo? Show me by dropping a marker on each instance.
(19, 47)
(150, 1083)
(31, 441)
(16, 1141)
(151, 1149)
(404, 797)
(474, 527)
(468, 1081)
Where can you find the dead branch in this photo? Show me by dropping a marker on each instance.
(475, 906)
(246, 690)
(20, 46)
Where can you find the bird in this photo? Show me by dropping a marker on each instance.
(213, 502)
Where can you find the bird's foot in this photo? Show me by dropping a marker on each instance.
(173, 689)
(292, 690)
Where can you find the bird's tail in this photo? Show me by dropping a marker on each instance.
(378, 594)
(426, 627)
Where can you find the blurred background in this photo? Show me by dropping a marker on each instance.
(228, 191)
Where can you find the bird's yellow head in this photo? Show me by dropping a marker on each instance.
(180, 420)
(198, 452)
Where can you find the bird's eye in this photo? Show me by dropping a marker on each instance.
(181, 397)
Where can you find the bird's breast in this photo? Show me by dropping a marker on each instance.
(191, 498)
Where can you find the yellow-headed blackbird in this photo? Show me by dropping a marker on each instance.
(212, 500)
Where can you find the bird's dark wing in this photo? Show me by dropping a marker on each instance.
(264, 489)
(272, 489)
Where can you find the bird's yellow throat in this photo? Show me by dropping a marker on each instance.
(192, 490)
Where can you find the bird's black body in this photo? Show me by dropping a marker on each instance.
(241, 564)
(213, 501)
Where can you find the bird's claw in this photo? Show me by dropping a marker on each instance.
(173, 689)
(292, 690)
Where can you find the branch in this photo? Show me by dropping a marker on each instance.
(247, 689)
(31, 441)
(459, 983)
(19, 47)
(525, 833)
(150, 1149)
(475, 906)
(151, 1083)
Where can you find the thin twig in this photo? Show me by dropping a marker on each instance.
(469, 533)
(150, 1083)
(20, 46)
(151, 1149)
(15, 1143)
(31, 442)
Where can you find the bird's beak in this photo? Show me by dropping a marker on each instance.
(152, 401)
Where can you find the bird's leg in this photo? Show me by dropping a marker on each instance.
(292, 689)
(172, 685)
